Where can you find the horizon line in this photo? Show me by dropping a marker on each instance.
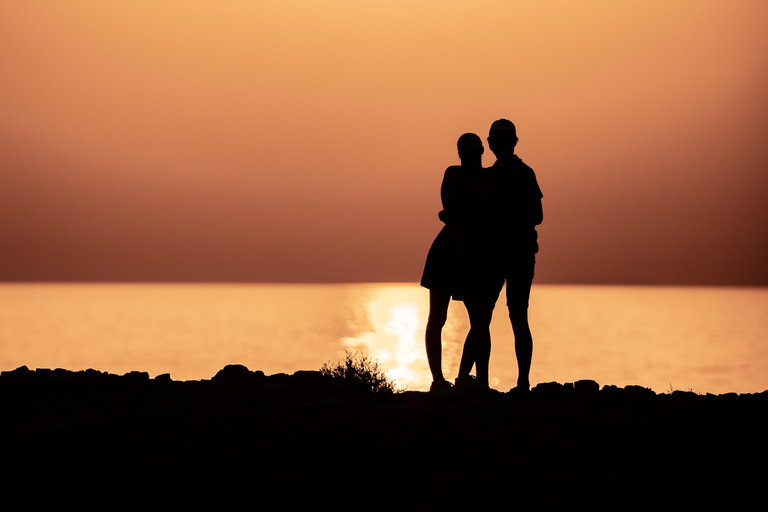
(331, 283)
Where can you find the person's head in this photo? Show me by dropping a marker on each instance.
(470, 148)
(502, 138)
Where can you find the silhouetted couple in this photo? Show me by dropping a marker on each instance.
(489, 238)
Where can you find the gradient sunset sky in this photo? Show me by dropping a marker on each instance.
(305, 141)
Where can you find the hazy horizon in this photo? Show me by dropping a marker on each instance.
(711, 340)
(333, 283)
(300, 142)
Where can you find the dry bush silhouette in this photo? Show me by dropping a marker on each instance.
(361, 373)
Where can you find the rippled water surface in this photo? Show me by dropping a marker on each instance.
(701, 339)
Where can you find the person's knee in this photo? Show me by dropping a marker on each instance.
(518, 315)
(480, 313)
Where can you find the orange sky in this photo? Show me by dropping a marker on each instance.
(305, 141)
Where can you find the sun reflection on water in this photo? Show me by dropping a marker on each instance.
(404, 325)
(706, 339)
(397, 317)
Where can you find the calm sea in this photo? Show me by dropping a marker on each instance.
(701, 339)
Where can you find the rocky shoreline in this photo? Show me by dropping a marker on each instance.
(305, 439)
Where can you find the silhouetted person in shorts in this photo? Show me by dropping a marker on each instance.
(465, 194)
(517, 204)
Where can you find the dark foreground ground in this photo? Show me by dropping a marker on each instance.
(92, 439)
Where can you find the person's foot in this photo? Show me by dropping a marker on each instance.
(442, 387)
(471, 386)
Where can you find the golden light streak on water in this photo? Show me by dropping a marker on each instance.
(396, 338)
(704, 339)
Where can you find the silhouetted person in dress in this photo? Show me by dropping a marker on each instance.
(518, 210)
(465, 193)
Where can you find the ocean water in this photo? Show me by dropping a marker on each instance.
(708, 340)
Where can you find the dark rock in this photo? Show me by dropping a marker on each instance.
(587, 386)
(680, 394)
(20, 377)
(298, 436)
(279, 378)
(136, 376)
(307, 376)
(548, 389)
(627, 393)
(233, 374)
(21, 370)
(92, 375)
(639, 391)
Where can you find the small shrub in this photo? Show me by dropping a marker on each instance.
(361, 373)
(673, 389)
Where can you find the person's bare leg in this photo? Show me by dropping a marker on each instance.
(467, 357)
(523, 346)
(438, 312)
(477, 348)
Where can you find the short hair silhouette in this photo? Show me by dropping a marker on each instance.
(502, 137)
(470, 145)
(502, 125)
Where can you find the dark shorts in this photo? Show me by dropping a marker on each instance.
(485, 282)
(518, 274)
(478, 283)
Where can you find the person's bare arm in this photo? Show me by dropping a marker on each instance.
(536, 212)
(449, 192)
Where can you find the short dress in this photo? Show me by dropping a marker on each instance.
(482, 279)
(440, 268)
